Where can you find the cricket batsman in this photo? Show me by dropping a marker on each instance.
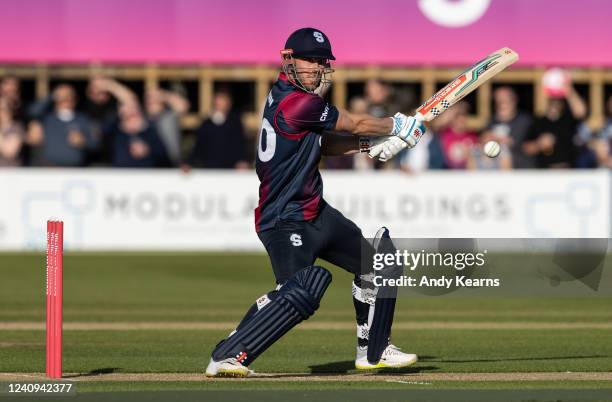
(297, 226)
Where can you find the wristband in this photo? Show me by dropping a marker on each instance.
(364, 144)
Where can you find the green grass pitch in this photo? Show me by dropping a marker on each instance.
(107, 295)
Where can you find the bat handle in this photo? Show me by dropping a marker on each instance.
(419, 117)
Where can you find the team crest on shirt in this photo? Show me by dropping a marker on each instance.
(295, 239)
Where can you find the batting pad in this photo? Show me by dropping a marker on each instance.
(384, 307)
(295, 301)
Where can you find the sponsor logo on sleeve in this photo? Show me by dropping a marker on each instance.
(324, 114)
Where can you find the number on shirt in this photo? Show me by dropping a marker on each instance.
(268, 132)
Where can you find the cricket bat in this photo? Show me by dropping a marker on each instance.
(465, 83)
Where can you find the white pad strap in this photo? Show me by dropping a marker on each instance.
(367, 296)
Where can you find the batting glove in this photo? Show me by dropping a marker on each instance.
(387, 149)
(409, 129)
(372, 145)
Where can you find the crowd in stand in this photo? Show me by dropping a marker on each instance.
(560, 138)
(113, 127)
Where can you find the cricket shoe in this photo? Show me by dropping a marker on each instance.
(392, 357)
(230, 367)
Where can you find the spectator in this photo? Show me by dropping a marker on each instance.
(220, 140)
(551, 138)
(427, 155)
(456, 139)
(10, 90)
(477, 160)
(359, 105)
(100, 106)
(602, 146)
(380, 104)
(127, 141)
(133, 142)
(11, 136)
(584, 143)
(63, 134)
(101, 109)
(378, 96)
(164, 108)
(405, 98)
(509, 127)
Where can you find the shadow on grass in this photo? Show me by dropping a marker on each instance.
(513, 359)
(95, 372)
(348, 366)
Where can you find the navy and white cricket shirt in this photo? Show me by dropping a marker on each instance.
(288, 154)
